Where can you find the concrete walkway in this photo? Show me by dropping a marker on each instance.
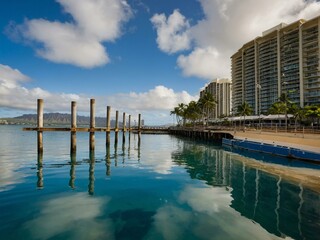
(308, 142)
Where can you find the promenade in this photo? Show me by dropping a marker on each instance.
(308, 142)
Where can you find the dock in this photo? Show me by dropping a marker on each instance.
(73, 129)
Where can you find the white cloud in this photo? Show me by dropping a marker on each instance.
(172, 32)
(78, 42)
(155, 104)
(204, 63)
(158, 98)
(228, 24)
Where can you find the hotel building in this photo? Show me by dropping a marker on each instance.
(221, 91)
(285, 59)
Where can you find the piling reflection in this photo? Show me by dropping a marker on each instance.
(115, 156)
(123, 147)
(73, 162)
(139, 146)
(129, 144)
(282, 207)
(91, 172)
(108, 161)
(126, 153)
(116, 136)
(40, 171)
(73, 143)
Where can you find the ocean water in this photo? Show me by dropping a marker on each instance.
(158, 187)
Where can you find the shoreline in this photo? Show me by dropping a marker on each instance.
(307, 142)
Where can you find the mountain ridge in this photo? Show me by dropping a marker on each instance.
(58, 119)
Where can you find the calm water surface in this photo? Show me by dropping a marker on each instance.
(162, 188)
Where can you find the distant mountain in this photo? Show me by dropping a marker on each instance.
(58, 119)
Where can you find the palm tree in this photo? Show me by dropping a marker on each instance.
(192, 111)
(298, 113)
(244, 110)
(286, 101)
(176, 112)
(313, 112)
(182, 112)
(278, 108)
(207, 103)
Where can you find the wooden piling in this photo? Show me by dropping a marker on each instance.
(129, 124)
(117, 122)
(92, 124)
(139, 122)
(124, 122)
(108, 118)
(40, 125)
(108, 127)
(73, 145)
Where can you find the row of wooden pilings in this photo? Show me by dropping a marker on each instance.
(74, 129)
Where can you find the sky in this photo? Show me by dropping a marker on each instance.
(137, 56)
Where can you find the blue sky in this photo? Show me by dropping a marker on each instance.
(139, 56)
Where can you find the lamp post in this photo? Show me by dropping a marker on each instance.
(284, 83)
(259, 105)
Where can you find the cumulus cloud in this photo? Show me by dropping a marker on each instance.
(154, 104)
(201, 63)
(78, 42)
(172, 32)
(228, 24)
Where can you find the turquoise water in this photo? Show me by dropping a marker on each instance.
(163, 188)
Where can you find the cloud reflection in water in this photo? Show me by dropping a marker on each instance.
(74, 216)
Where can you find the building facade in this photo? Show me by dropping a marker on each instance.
(221, 91)
(285, 59)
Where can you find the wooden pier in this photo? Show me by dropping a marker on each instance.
(201, 134)
(73, 129)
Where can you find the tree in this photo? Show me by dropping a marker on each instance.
(207, 103)
(176, 112)
(313, 112)
(192, 111)
(278, 108)
(244, 110)
(179, 111)
(298, 114)
(287, 103)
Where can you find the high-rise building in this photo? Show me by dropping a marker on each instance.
(221, 91)
(285, 59)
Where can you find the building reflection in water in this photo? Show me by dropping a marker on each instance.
(281, 207)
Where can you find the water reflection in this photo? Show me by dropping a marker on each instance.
(40, 171)
(70, 217)
(279, 205)
(91, 173)
(73, 162)
(108, 161)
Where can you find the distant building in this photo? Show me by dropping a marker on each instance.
(221, 91)
(285, 59)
